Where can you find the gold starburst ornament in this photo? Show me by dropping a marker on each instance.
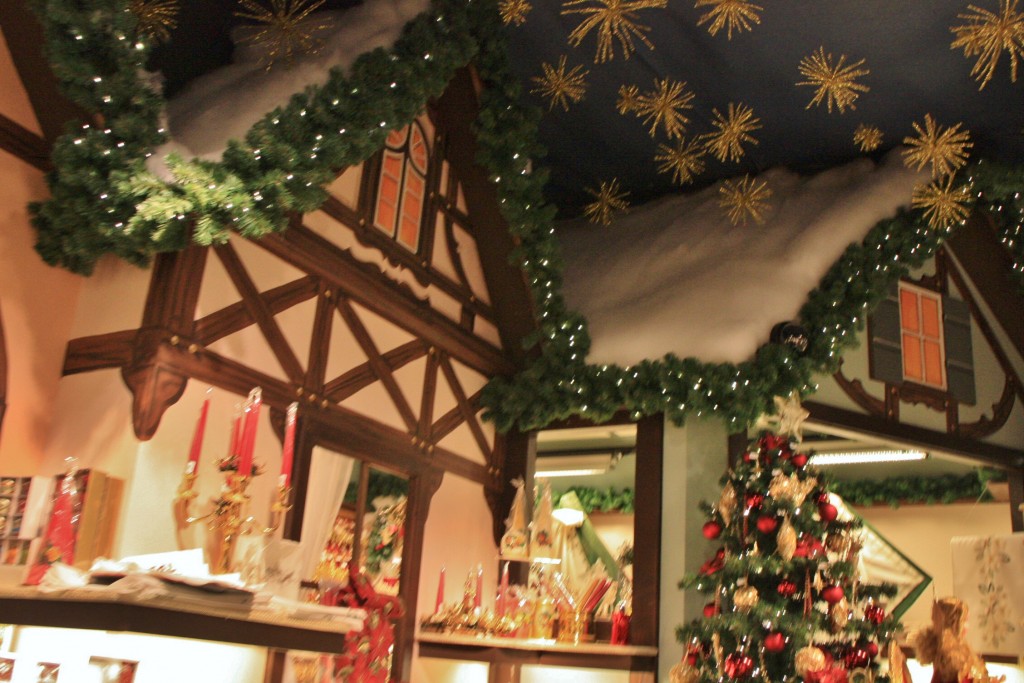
(610, 199)
(986, 34)
(732, 15)
(513, 12)
(684, 161)
(731, 132)
(284, 29)
(615, 20)
(868, 138)
(836, 81)
(744, 199)
(559, 86)
(944, 149)
(661, 107)
(944, 203)
(156, 18)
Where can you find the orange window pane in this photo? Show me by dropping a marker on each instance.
(908, 311)
(912, 358)
(930, 317)
(396, 138)
(412, 211)
(418, 151)
(932, 363)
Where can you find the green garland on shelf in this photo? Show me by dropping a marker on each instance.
(593, 499)
(105, 201)
(896, 491)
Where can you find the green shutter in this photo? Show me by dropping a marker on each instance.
(886, 351)
(959, 354)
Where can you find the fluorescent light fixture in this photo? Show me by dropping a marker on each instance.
(576, 465)
(865, 457)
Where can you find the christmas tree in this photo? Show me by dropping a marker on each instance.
(784, 599)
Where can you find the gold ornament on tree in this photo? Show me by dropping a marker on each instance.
(727, 503)
(944, 149)
(559, 86)
(785, 539)
(868, 138)
(661, 107)
(514, 11)
(726, 143)
(944, 204)
(615, 20)
(987, 34)
(743, 199)
(155, 18)
(283, 28)
(610, 199)
(839, 615)
(745, 597)
(731, 15)
(684, 161)
(836, 84)
(808, 659)
(684, 672)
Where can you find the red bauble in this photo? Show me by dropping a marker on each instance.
(828, 512)
(738, 666)
(874, 613)
(832, 594)
(872, 649)
(749, 457)
(691, 657)
(786, 588)
(766, 524)
(712, 530)
(856, 657)
(822, 497)
(775, 642)
(800, 459)
(710, 610)
(754, 499)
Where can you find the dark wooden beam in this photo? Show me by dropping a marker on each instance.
(1017, 500)
(24, 144)
(3, 371)
(988, 264)
(978, 451)
(650, 440)
(340, 388)
(506, 283)
(468, 410)
(98, 352)
(24, 36)
(235, 317)
(363, 284)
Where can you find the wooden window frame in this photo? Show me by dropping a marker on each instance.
(409, 169)
(921, 293)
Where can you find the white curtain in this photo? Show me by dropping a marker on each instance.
(987, 576)
(329, 474)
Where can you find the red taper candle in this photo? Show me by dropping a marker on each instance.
(288, 451)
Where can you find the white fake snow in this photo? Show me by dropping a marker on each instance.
(675, 276)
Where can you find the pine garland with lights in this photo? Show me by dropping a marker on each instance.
(103, 200)
(784, 599)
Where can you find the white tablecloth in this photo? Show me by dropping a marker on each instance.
(988, 575)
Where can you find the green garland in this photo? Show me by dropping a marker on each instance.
(894, 491)
(602, 500)
(105, 201)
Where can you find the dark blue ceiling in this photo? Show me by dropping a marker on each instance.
(905, 45)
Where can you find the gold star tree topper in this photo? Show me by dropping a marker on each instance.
(945, 149)
(156, 18)
(514, 11)
(986, 34)
(836, 84)
(731, 132)
(684, 161)
(559, 86)
(944, 204)
(615, 20)
(731, 15)
(282, 28)
(661, 107)
(744, 199)
(610, 199)
(788, 419)
(868, 138)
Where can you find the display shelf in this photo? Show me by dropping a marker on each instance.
(537, 651)
(99, 610)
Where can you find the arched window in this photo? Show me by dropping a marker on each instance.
(401, 190)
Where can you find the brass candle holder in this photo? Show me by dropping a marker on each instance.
(279, 508)
(225, 522)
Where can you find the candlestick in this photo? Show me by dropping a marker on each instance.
(288, 451)
(479, 585)
(439, 603)
(236, 433)
(197, 436)
(252, 418)
(502, 592)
